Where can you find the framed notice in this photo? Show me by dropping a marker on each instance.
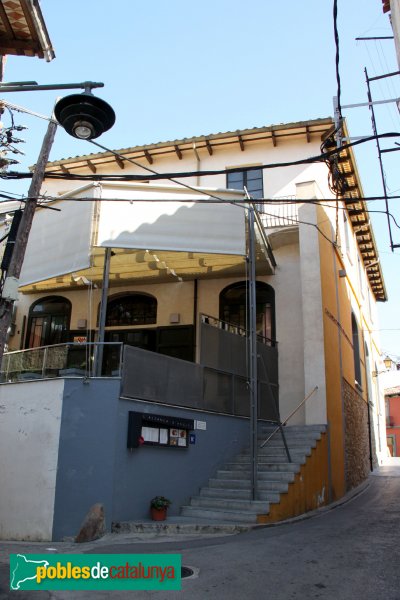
(149, 429)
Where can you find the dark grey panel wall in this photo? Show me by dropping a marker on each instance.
(177, 473)
(86, 452)
(95, 465)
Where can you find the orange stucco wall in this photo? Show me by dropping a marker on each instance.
(338, 301)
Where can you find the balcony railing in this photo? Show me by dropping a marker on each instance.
(61, 360)
(236, 329)
(280, 212)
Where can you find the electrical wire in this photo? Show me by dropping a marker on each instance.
(336, 36)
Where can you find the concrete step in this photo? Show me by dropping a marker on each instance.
(294, 428)
(244, 484)
(274, 458)
(254, 506)
(263, 467)
(220, 515)
(242, 494)
(280, 450)
(227, 498)
(290, 439)
(278, 443)
(262, 475)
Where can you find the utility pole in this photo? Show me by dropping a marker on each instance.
(17, 259)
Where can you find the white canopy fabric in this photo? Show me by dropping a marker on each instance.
(162, 218)
(59, 242)
(158, 233)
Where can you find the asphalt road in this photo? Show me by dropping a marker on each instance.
(348, 553)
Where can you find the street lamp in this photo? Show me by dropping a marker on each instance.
(84, 116)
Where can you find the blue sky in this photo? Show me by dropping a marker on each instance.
(177, 69)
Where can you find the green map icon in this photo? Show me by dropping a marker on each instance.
(23, 570)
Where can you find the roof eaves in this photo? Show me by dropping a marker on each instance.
(315, 123)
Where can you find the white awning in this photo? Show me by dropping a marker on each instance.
(158, 233)
(173, 219)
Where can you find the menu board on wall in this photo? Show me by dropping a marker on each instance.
(158, 430)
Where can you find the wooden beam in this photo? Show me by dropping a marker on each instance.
(241, 144)
(29, 21)
(64, 169)
(119, 162)
(6, 22)
(308, 135)
(178, 152)
(91, 166)
(273, 137)
(10, 45)
(148, 157)
(209, 147)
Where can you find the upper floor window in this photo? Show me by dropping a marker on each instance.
(356, 350)
(346, 227)
(360, 270)
(131, 309)
(252, 180)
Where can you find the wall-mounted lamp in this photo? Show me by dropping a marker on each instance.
(388, 362)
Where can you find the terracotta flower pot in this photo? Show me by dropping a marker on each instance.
(158, 514)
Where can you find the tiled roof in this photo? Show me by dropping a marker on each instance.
(23, 31)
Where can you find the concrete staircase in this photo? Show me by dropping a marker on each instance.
(227, 496)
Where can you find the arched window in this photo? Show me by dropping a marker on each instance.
(356, 350)
(233, 307)
(131, 309)
(48, 322)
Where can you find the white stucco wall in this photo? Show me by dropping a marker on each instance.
(289, 331)
(30, 418)
(314, 351)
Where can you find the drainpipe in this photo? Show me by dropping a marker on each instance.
(195, 307)
(197, 162)
(336, 278)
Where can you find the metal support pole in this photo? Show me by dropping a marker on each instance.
(103, 313)
(32, 86)
(253, 356)
(375, 130)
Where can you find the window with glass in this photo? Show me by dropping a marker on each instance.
(356, 351)
(131, 309)
(48, 322)
(251, 179)
(234, 303)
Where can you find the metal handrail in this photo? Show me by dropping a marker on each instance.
(289, 417)
(77, 344)
(43, 364)
(236, 329)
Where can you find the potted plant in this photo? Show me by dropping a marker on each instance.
(158, 508)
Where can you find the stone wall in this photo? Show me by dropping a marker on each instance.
(356, 437)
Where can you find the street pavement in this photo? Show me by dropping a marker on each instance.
(349, 552)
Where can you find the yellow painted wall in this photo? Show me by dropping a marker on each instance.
(340, 297)
(308, 491)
